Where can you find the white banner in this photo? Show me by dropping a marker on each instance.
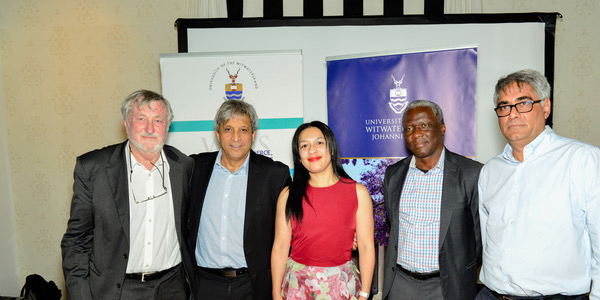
(197, 83)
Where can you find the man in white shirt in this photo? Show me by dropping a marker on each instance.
(124, 236)
(539, 202)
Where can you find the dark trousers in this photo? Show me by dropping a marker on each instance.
(486, 294)
(215, 287)
(408, 288)
(171, 286)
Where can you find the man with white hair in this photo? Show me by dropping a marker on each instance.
(124, 236)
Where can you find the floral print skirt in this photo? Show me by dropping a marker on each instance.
(302, 282)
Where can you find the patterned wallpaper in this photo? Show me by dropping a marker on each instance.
(577, 62)
(67, 65)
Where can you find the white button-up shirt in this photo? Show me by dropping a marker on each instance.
(540, 219)
(153, 243)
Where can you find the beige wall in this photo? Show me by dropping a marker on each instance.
(8, 243)
(577, 62)
(67, 64)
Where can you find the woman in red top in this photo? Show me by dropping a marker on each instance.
(317, 216)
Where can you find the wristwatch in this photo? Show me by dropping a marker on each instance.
(364, 294)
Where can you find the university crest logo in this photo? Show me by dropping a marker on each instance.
(398, 96)
(233, 91)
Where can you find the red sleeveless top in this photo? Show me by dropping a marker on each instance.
(324, 237)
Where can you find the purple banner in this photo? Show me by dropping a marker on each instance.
(366, 98)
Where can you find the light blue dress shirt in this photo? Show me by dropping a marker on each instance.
(220, 242)
(540, 219)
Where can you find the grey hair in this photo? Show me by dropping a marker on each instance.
(437, 111)
(231, 108)
(144, 97)
(535, 79)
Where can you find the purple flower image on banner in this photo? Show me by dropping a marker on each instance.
(370, 173)
(366, 98)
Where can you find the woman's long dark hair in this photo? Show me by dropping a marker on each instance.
(297, 191)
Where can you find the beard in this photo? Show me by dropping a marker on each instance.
(140, 146)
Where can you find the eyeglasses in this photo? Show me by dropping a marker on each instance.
(161, 176)
(521, 107)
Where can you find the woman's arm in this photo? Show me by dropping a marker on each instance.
(281, 245)
(365, 235)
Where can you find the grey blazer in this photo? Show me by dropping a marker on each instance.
(95, 247)
(460, 234)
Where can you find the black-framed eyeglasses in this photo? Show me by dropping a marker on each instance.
(521, 107)
(164, 192)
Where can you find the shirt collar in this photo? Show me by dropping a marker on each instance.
(131, 161)
(243, 168)
(438, 166)
(540, 142)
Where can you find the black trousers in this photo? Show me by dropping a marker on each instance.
(487, 294)
(171, 286)
(215, 287)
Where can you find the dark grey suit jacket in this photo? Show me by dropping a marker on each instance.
(460, 234)
(95, 247)
(266, 179)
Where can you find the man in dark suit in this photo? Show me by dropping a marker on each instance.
(434, 248)
(125, 230)
(232, 211)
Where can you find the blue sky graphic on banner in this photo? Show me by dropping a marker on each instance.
(366, 98)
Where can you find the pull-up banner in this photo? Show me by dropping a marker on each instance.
(196, 84)
(367, 96)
